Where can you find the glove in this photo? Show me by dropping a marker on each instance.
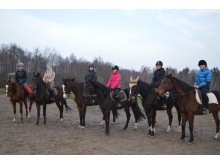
(20, 82)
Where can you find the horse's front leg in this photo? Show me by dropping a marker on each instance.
(44, 113)
(83, 117)
(184, 118)
(153, 122)
(21, 110)
(107, 116)
(60, 107)
(149, 120)
(14, 109)
(30, 107)
(191, 121)
(170, 116)
(128, 115)
(38, 113)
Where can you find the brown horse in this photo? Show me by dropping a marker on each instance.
(16, 94)
(188, 104)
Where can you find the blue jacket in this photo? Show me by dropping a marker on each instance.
(203, 78)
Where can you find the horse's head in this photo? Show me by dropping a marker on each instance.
(10, 85)
(67, 87)
(36, 80)
(88, 88)
(134, 89)
(165, 85)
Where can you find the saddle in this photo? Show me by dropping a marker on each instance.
(122, 96)
(211, 96)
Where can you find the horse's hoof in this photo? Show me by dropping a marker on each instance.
(37, 123)
(149, 133)
(14, 120)
(168, 129)
(152, 133)
(61, 119)
(191, 140)
(216, 136)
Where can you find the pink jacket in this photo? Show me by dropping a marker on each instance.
(114, 81)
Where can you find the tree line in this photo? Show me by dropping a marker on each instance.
(70, 66)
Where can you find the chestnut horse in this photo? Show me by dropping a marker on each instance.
(16, 94)
(188, 104)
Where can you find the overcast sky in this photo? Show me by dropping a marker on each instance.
(128, 38)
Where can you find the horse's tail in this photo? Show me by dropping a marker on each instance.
(137, 112)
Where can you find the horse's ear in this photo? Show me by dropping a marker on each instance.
(169, 75)
(137, 79)
(130, 78)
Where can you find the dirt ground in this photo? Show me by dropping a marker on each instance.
(66, 138)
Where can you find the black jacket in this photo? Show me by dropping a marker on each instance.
(159, 75)
(90, 75)
(21, 76)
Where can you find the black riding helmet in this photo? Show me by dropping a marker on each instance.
(115, 67)
(91, 65)
(202, 62)
(159, 63)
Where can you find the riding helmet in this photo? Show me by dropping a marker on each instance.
(115, 67)
(159, 63)
(91, 65)
(202, 62)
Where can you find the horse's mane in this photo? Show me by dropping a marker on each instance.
(183, 85)
(100, 86)
(144, 87)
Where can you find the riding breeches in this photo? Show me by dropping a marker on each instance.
(205, 100)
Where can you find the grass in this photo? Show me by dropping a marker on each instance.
(2, 91)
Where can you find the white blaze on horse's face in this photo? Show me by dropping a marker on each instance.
(6, 90)
(64, 94)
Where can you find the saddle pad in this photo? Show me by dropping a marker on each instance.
(122, 96)
(29, 89)
(211, 96)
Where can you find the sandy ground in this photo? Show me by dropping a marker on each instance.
(66, 138)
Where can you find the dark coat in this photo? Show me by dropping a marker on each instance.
(90, 75)
(159, 75)
(21, 76)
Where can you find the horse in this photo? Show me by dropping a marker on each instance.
(188, 103)
(70, 85)
(42, 97)
(107, 103)
(144, 89)
(16, 94)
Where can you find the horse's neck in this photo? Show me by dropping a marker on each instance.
(177, 88)
(143, 89)
(14, 88)
(77, 89)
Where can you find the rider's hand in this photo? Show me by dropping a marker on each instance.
(196, 86)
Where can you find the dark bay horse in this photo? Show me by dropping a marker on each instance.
(71, 85)
(16, 94)
(144, 89)
(188, 104)
(42, 96)
(107, 104)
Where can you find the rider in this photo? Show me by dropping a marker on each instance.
(48, 78)
(203, 80)
(115, 83)
(158, 76)
(91, 74)
(21, 78)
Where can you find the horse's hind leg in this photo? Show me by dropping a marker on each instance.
(44, 113)
(38, 114)
(128, 115)
(21, 110)
(215, 116)
(14, 109)
(153, 122)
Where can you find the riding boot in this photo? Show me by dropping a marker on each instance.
(51, 97)
(205, 103)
